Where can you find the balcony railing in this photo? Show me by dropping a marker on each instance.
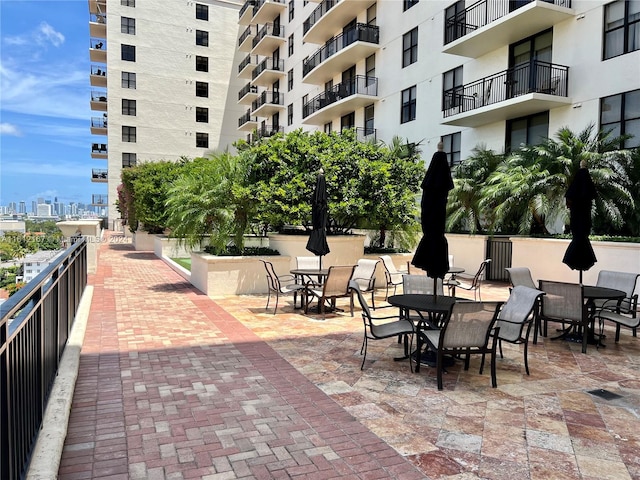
(246, 118)
(259, 4)
(97, 44)
(247, 33)
(249, 3)
(98, 96)
(482, 13)
(320, 10)
(246, 61)
(359, 85)
(364, 134)
(268, 131)
(361, 32)
(268, 96)
(99, 173)
(532, 77)
(268, 64)
(98, 122)
(34, 328)
(97, 199)
(99, 70)
(99, 148)
(248, 88)
(98, 18)
(268, 29)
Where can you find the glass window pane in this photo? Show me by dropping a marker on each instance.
(632, 127)
(518, 134)
(610, 109)
(633, 41)
(614, 14)
(632, 105)
(455, 147)
(538, 129)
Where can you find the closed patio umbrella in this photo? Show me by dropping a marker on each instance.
(317, 243)
(432, 253)
(579, 196)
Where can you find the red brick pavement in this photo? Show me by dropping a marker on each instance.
(173, 387)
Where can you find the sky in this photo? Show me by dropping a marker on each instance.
(45, 138)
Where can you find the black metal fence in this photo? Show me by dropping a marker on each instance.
(360, 84)
(499, 250)
(34, 328)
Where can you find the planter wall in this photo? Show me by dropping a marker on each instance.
(143, 241)
(345, 249)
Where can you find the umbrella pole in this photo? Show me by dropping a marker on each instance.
(580, 276)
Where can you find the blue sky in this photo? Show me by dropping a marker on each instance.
(45, 141)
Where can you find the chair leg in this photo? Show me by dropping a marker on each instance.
(584, 338)
(494, 382)
(277, 298)
(268, 300)
(500, 347)
(364, 345)
(618, 332)
(439, 362)
(526, 347)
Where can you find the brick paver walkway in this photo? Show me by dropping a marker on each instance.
(172, 386)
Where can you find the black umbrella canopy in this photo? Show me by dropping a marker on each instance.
(317, 243)
(432, 253)
(579, 196)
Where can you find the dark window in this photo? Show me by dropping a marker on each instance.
(128, 107)
(407, 4)
(408, 109)
(410, 47)
(290, 10)
(128, 160)
(128, 134)
(368, 119)
(452, 88)
(128, 80)
(202, 140)
(202, 89)
(202, 38)
(202, 12)
(128, 3)
(128, 52)
(621, 28)
(202, 114)
(128, 25)
(291, 44)
(305, 100)
(327, 127)
(452, 147)
(290, 80)
(620, 114)
(290, 114)
(372, 13)
(531, 130)
(455, 22)
(348, 121)
(202, 64)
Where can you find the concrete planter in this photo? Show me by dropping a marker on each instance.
(143, 241)
(91, 231)
(345, 249)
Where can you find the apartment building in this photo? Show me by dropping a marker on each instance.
(496, 73)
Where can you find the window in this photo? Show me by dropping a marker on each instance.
(202, 64)
(305, 107)
(372, 13)
(128, 25)
(202, 12)
(128, 160)
(348, 121)
(368, 119)
(455, 22)
(202, 89)
(408, 110)
(128, 3)
(202, 140)
(407, 4)
(290, 114)
(290, 10)
(128, 52)
(453, 89)
(128, 107)
(202, 38)
(410, 47)
(291, 44)
(621, 114)
(128, 80)
(202, 114)
(621, 28)
(290, 80)
(452, 147)
(327, 127)
(128, 134)
(531, 130)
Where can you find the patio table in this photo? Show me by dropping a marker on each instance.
(591, 294)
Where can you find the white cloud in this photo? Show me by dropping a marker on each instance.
(9, 129)
(47, 32)
(42, 35)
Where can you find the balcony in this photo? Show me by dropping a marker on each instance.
(245, 69)
(247, 94)
(99, 150)
(98, 200)
(523, 90)
(267, 72)
(365, 134)
(343, 98)
(98, 25)
(98, 50)
(340, 53)
(99, 101)
(265, 132)
(487, 25)
(265, 11)
(268, 103)
(245, 42)
(99, 175)
(269, 38)
(99, 125)
(247, 122)
(246, 12)
(98, 6)
(329, 16)
(98, 77)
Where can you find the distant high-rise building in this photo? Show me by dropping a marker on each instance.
(22, 207)
(34, 207)
(13, 208)
(44, 210)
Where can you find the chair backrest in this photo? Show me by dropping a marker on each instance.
(620, 281)
(478, 276)
(337, 282)
(469, 324)
(450, 260)
(272, 277)
(421, 284)
(388, 264)
(520, 276)
(364, 273)
(562, 300)
(366, 312)
(519, 308)
(308, 263)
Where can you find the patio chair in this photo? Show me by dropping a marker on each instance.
(281, 285)
(307, 263)
(468, 330)
(472, 283)
(564, 303)
(421, 285)
(624, 312)
(520, 310)
(378, 328)
(520, 276)
(336, 285)
(392, 275)
(365, 276)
